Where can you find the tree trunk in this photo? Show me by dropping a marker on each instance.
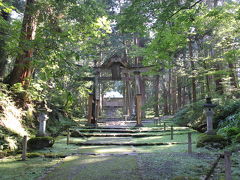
(127, 95)
(143, 92)
(174, 92)
(165, 97)
(215, 3)
(194, 91)
(179, 92)
(156, 96)
(169, 91)
(233, 79)
(23, 69)
(184, 96)
(218, 81)
(3, 36)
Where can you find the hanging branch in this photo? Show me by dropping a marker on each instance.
(183, 8)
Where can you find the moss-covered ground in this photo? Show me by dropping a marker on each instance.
(118, 162)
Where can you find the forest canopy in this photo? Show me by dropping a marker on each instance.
(48, 47)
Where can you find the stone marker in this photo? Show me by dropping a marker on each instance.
(189, 143)
(24, 150)
(171, 132)
(209, 114)
(227, 159)
(42, 118)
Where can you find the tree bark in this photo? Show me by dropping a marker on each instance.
(169, 91)
(3, 36)
(174, 92)
(194, 91)
(143, 92)
(215, 3)
(23, 69)
(156, 96)
(233, 77)
(179, 93)
(165, 97)
(218, 81)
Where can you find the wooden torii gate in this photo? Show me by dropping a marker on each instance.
(120, 70)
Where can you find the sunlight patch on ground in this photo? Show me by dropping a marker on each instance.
(14, 169)
(96, 168)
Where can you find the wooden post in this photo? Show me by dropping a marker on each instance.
(128, 96)
(137, 82)
(90, 101)
(171, 132)
(189, 143)
(24, 150)
(97, 108)
(138, 110)
(68, 137)
(227, 159)
(164, 126)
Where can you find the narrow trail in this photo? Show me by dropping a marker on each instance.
(111, 161)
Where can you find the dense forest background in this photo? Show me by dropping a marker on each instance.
(47, 46)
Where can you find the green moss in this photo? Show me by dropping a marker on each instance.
(34, 154)
(214, 141)
(40, 142)
(184, 178)
(180, 138)
(46, 155)
(33, 168)
(96, 167)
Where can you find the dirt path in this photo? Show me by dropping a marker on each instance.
(101, 160)
(100, 167)
(120, 164)
(123, 163)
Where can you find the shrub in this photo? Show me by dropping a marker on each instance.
(213, 141)
(228, 115)
(238, 138)
(40, 142)
(233, 131)
(190, 115)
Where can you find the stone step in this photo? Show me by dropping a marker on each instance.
(125, 130)
(125, 127)
(126, 144)
(126, 134)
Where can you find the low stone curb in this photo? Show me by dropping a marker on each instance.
(126, 135)
(127, 144)
(122, 131)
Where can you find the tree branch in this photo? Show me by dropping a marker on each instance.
(199, 1)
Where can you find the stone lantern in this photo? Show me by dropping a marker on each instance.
(208, 108)
(42, 118)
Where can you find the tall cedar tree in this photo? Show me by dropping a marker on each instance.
(23, 69)
(3, 32)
